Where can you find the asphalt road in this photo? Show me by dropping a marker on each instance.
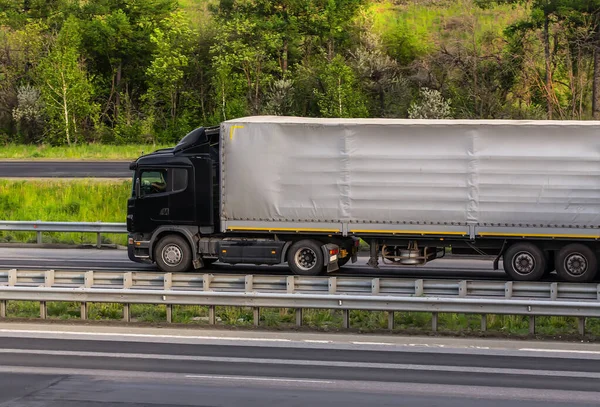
(64, 169)
(52, 367)
(117, 260)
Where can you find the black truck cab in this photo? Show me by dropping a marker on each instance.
(174, 188)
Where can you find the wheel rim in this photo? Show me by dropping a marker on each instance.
(305, 258)
(172, 255)
(523, 263)
(576, 264)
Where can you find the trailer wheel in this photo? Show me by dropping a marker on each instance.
(306, 258)
(173, 254)
(576, 263)
(524, 262)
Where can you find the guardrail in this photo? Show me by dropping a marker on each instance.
(336, 293)
(78, 227)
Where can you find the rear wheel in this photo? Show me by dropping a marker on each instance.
(173, 254)
(576, 263)
(306, 258)
(524, 262)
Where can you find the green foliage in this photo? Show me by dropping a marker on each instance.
(430, 105)
(338, 94)
(66, 89)
(132, 71)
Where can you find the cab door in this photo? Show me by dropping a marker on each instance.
(152, 202)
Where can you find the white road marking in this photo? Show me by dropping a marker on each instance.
(261, 379)
(220, 338)
(373, 343)
(592, 352)
(293, 362)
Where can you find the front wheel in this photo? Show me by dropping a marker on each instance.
(173, 254)
(306, 258)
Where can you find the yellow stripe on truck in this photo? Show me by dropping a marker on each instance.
(496, 234)
(250, 229)
(410, 232)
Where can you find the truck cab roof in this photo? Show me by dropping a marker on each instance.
(203, 140)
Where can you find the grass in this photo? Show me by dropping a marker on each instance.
(79, 152)
(64, 201)
(314, 319)
(414, 29)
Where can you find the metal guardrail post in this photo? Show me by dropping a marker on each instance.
(391, 320)
(127, 284)
(212, 318)
(167, 285)
(532, 324)
(12, 277)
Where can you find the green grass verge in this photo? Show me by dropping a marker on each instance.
(64, 201)
(314, 319)
(79, 152)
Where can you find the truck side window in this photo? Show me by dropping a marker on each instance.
(179, 179)
(153, 182)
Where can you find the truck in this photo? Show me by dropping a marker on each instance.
(277, 190)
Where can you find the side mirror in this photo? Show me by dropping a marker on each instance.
(138, 189)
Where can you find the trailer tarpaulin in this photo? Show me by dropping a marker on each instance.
(381, 171)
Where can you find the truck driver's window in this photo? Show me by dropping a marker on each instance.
(153, 182)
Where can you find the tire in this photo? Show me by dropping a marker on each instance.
(173, 254)
(305, 258)
(524, 262)
(576, 263)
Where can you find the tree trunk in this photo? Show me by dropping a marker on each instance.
(118, 94)
(284, 66)
(548, 65)
(65, 107)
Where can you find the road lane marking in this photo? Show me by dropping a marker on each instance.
(293, 362)
(592, 352)
(220, 338)
(261, 379)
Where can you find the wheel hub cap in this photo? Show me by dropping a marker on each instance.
(306, 259)
(576, 264)
(523, 263)
(172, 255)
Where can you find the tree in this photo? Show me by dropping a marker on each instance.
(338, 94)
(167, 69)
(245, 60)
(431, 105)
(65, 86)
(381, 78)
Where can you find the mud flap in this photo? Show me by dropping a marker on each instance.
(331, 254)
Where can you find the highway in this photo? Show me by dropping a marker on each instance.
(117, 260)
(64, 169)
(71, 366)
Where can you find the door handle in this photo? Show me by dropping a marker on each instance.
(164, 212)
